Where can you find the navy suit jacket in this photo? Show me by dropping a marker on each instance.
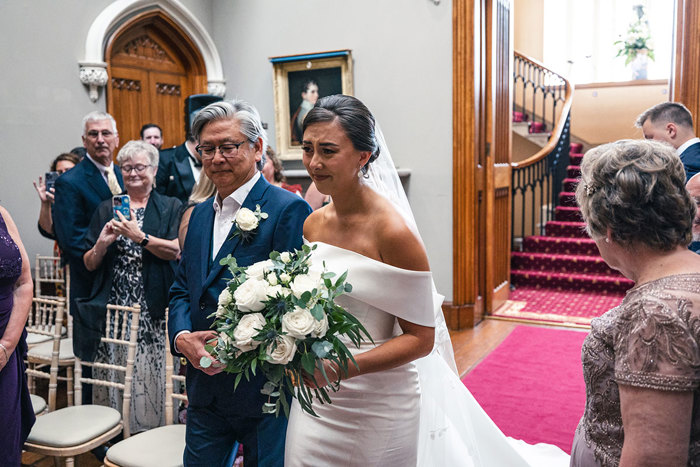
(174, 177)
(691, 160)
(78, 193)
(199, 281)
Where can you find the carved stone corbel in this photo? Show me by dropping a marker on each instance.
(217, 88)
(93, 75)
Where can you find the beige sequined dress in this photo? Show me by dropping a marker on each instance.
(650, 341)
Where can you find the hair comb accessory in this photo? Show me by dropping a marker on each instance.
(590, 189)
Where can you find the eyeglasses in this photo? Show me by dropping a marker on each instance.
(226, 150)
(139, 168)
(106, 134)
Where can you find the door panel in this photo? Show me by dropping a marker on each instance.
(167, 97)
(129, 87)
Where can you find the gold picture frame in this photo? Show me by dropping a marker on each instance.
(294, 78)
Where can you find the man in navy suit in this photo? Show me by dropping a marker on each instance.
(672, 123)
(232, 143)
(79, 191)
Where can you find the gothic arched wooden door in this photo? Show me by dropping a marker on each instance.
(153, 66)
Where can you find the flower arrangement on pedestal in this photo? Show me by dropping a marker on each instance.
(637, 47)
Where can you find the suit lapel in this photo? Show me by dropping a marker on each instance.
(232, 244)
(182, 165)
(206, 233)
(96, 180)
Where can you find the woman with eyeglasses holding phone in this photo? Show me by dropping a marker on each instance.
(133, 258)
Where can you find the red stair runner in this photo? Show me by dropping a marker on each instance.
(560, 277)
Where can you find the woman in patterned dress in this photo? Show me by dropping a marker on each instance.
(134, 263)
(641, 360)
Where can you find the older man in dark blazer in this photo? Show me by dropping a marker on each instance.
(79, 191)
(232, 143)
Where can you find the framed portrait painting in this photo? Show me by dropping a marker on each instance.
(299, 81)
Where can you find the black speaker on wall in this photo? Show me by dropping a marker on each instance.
(194, 104)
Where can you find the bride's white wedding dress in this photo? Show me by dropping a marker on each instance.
(417, 414)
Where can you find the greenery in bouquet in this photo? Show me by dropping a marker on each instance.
(638, 40)
(280, 318)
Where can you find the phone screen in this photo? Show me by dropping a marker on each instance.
(121, 203)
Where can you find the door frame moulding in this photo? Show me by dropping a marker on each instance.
(93, 67)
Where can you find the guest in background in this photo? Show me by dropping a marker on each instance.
(203, 190)
(152, 134)
(672, 123)
(641, 360)
(315, 198)
(693, 187)
(133, 259)
(60, 164)
(79, 151)
(272, 171)
(16, 292)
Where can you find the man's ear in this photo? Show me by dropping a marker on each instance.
(671, 129)
(258, 146)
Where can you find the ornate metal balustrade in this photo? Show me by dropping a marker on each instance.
(543, 99)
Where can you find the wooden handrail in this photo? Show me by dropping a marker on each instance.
(556, 134)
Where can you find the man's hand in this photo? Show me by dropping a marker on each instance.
(191, 345)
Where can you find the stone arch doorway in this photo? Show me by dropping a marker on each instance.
(152, 67)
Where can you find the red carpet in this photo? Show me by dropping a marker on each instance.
(531, 385)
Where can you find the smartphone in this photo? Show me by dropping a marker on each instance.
(50, 179)
(121, 203)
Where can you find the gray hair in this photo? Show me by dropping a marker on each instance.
(636, 188)
(246, 115)
(667, 112)
(134, 148)
(97, 116)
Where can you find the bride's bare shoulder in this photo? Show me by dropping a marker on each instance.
(398, 244)
(314, 223)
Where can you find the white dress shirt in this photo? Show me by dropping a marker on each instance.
(225, 212)
(101, 168)
(195, 170)
(687, 144)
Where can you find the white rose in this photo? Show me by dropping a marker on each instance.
(284, 277)
(275, 290)
(281, 351)
(220, 311)
(248, 327)
(285, 257)
(298, 323)
(225, 297)
(272, 279)
(321, 327)
(258, 270)
(246, 220)
(305, 283)
(250, 295)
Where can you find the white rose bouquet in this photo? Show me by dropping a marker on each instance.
(278, 317)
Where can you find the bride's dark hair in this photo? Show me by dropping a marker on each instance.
(354, 117)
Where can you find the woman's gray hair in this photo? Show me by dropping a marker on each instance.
(97, 116)
(136, 147)
(246, 115)
(636, 188)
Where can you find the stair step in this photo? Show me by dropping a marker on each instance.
(548, 262)
(574, 282)
(567, 214)
(567, 198)
(560, 245)
(570, 184)
(565, 229)
(573, 171)
(576, 147)
(575, 158)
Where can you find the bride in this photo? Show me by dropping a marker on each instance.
(395, 408)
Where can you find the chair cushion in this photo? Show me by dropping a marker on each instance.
(38, 404)
(74, 425)
(34, 338)
(162, 446)
(45, 349)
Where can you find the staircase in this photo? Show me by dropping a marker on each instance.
(557, 273)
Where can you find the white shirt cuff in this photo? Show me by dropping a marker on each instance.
(175, 340)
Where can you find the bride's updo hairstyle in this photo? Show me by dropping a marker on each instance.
(354, 118)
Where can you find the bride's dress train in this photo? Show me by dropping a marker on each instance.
(417, 414)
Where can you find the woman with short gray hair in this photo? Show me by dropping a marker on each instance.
(641, 360)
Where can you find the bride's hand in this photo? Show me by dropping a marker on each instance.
(332, 372)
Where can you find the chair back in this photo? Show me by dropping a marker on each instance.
(48, 270)
(121, 330)
(172, 394)
(46, 318)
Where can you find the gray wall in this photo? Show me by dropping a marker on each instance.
(402, 70)
(402, 51)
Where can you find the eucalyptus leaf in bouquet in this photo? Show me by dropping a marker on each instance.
(279, 317)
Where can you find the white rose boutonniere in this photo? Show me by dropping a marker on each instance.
(247, 222)
(250, 295)
(248, 327)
